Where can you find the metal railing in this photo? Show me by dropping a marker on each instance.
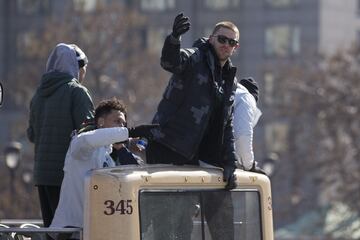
(307, 237)
(30, 229)
(19, 222)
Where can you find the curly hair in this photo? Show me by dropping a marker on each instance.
(106, 106)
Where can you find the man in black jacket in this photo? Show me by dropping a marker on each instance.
(196, 114)
(196, 111)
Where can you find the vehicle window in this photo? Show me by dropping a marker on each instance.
(208, 215)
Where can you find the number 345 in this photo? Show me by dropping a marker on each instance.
(124, 207)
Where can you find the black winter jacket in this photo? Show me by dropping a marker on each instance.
(187, 103)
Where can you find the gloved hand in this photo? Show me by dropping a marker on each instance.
(229, 177)
(257, 169)
(142, 131)
(181, 25)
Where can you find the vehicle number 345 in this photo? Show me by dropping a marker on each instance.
(123, 207)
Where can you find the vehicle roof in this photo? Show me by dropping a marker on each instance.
(166, 174)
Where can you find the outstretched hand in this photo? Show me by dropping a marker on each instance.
(257, 169)
(143, 131)
(181, 25)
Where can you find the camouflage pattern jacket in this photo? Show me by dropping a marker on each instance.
(187, 103)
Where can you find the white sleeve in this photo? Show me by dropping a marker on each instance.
(244, 151)
(243, 117)
(85, 143)
(243, 131)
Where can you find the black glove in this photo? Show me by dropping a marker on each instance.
(142, 131)
(181, 25)
(257, 169)
(229, 177)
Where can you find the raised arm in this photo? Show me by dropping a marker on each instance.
(84, 143)
(174, 59)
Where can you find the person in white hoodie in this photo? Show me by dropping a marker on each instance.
(246, 115)
(91, 150)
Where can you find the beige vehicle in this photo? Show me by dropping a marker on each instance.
(166, 202)
(176, 202)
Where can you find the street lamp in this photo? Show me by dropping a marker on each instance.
(27, 178)
(12, 155)
(12, 160)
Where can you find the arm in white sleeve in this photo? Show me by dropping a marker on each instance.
(244, 150)
(243, 131)
(85, 143)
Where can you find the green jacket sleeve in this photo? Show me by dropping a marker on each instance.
(82, 106)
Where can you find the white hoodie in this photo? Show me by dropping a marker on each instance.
(246, 115)
(87, 151)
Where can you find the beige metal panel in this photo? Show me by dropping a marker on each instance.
(260, 182)
(105, 217)
(111, 202)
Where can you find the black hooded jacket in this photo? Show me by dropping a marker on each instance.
(185, 111)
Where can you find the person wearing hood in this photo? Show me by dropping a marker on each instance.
(59, 106)
(195, 113)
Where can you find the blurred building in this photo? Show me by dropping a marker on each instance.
(272, 32)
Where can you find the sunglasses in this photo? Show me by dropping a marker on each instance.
(223, 39)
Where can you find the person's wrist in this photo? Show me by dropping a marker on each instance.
(130, 132)
(174, 39)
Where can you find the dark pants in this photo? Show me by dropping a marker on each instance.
(158, 153)
(218, 206)
(65, 236)
(170, 218)
(49, 199)
(219, 214)
(179, 225)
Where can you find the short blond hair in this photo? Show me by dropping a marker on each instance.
(228, 25)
